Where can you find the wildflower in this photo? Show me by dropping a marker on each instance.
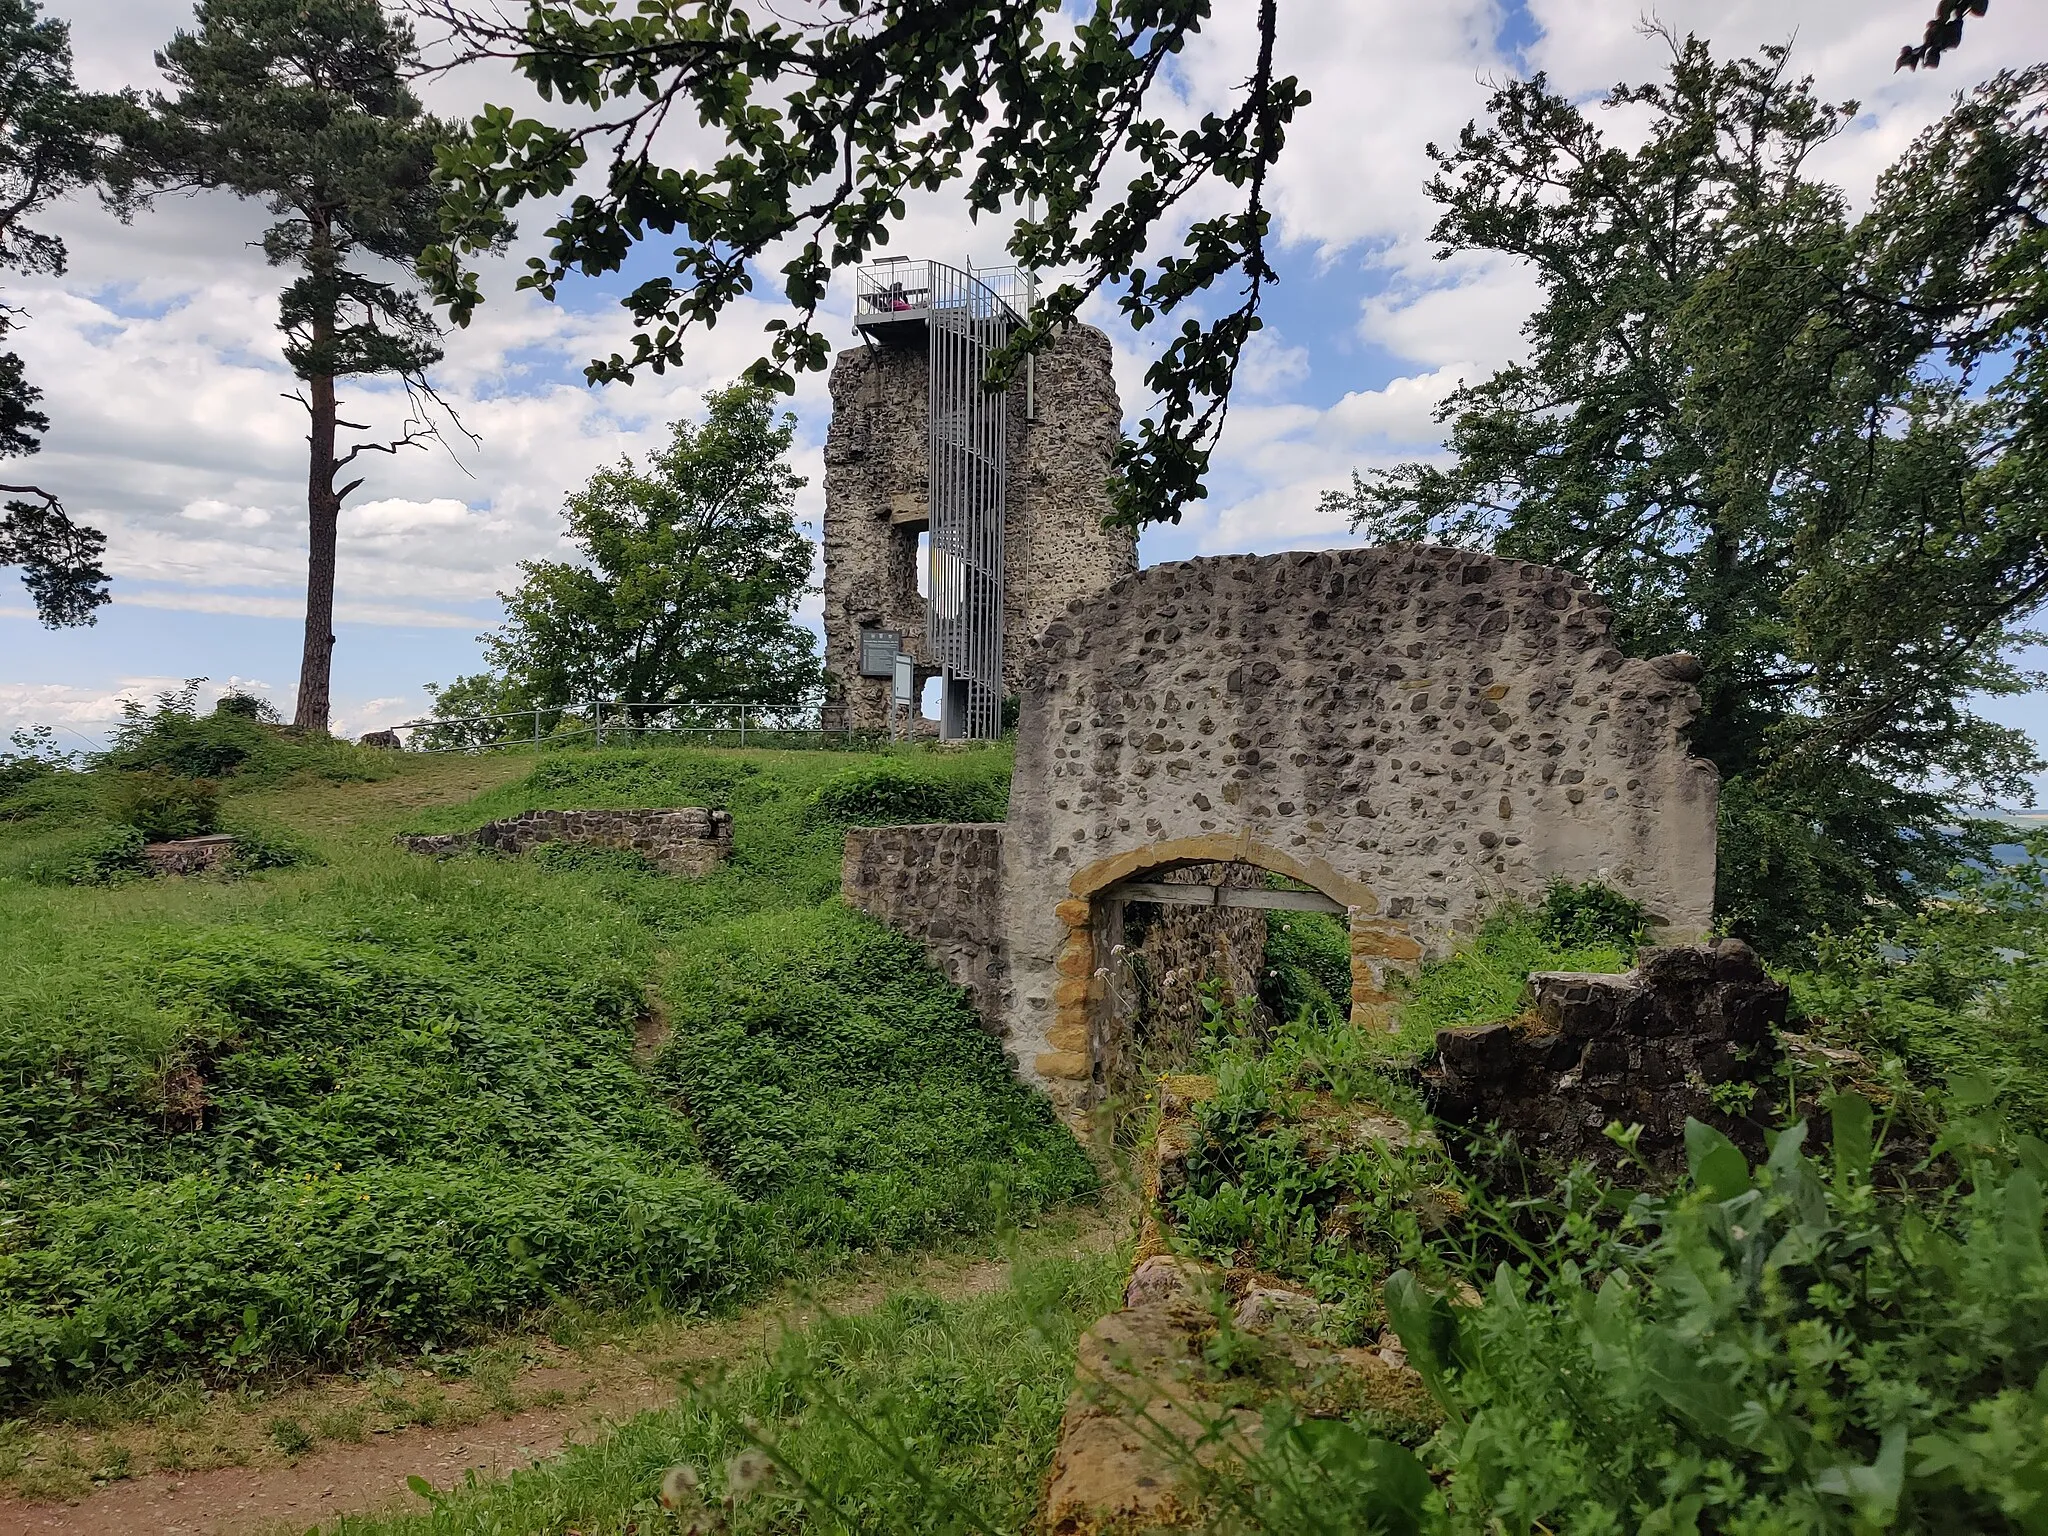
(1101, 971)
(746, 1472)
(679, 1487)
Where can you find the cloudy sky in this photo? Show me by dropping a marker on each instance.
(173, 431)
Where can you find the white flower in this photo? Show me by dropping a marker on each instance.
(679, 1487)
(746, 1472)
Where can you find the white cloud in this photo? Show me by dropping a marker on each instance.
(173, 430)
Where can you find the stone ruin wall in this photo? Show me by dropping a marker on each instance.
(680, 841)
(1645, 1048)
(1414, 731)
(942, 885)
(877, 458)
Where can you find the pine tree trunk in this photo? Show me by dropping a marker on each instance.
(323, 516)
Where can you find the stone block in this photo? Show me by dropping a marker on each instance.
(1074, 1066)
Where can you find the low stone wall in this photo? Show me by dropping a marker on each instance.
(942, 885)
(190, 855)
(682, 841)
(1643, 1048)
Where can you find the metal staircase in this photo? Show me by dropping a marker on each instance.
(964, 318)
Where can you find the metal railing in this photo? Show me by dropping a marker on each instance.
(911, 290)
(618, 722)
(969, 459)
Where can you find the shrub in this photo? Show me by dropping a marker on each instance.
(176, 739)
(1959, 986)
(888, 793)
(1306, 966)
(162, 806)
(101, 856)
(830, 1070)
(261, 848)
(1589, 915)
(1787, 1347)
(245, 706)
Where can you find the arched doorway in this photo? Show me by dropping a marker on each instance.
(1086, 997)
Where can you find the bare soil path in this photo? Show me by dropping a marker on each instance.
(241, 1481)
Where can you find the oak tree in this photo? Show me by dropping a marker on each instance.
(1809, 447)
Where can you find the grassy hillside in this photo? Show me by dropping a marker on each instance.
(378, 1102)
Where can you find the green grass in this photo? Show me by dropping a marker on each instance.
(317, 1114)
(920, 1416)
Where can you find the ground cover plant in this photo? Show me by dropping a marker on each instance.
(918, 1416)
(381, 1103)
(1832, 1340)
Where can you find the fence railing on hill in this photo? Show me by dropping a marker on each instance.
(620, 722)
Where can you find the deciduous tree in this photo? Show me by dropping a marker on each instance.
(692, 570)
(1807, 447)
(303, 104)
(831, 120)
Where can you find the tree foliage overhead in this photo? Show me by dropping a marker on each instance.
(1806, 447)
(1944, 34)
(303, 104)
(830, 124)
(694, 568)
(54, 140)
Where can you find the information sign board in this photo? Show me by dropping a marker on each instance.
(878, 648)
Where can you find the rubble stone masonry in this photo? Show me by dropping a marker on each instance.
(1413, 731)
(942, 885)
(877, 460)
(681, 841)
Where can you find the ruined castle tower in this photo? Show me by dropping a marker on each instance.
(999, 497)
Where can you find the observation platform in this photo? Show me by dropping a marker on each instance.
(894, 300)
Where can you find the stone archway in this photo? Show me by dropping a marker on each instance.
(1414, 732)
(1085, 911)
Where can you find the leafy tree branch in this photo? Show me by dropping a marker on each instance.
(830, 124)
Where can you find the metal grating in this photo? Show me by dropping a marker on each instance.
(969, 459)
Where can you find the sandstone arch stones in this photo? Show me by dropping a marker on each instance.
(1412, 731)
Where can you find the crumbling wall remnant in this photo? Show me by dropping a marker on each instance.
(687, 840)
(942, 885)
(1646, 1048)
(1412, 731)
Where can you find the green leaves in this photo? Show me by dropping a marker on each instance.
(1716, 1164)
(1753, 423)
(828, 126)
(692, 569)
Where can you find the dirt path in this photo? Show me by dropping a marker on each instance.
(574, 1396)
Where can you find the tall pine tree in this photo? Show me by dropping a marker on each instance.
(303, 104)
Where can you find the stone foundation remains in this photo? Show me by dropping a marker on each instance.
(190, 855)
(684, 841)
(1645, 1048)
(941, 885)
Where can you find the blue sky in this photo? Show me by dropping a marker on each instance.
(170, 430)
